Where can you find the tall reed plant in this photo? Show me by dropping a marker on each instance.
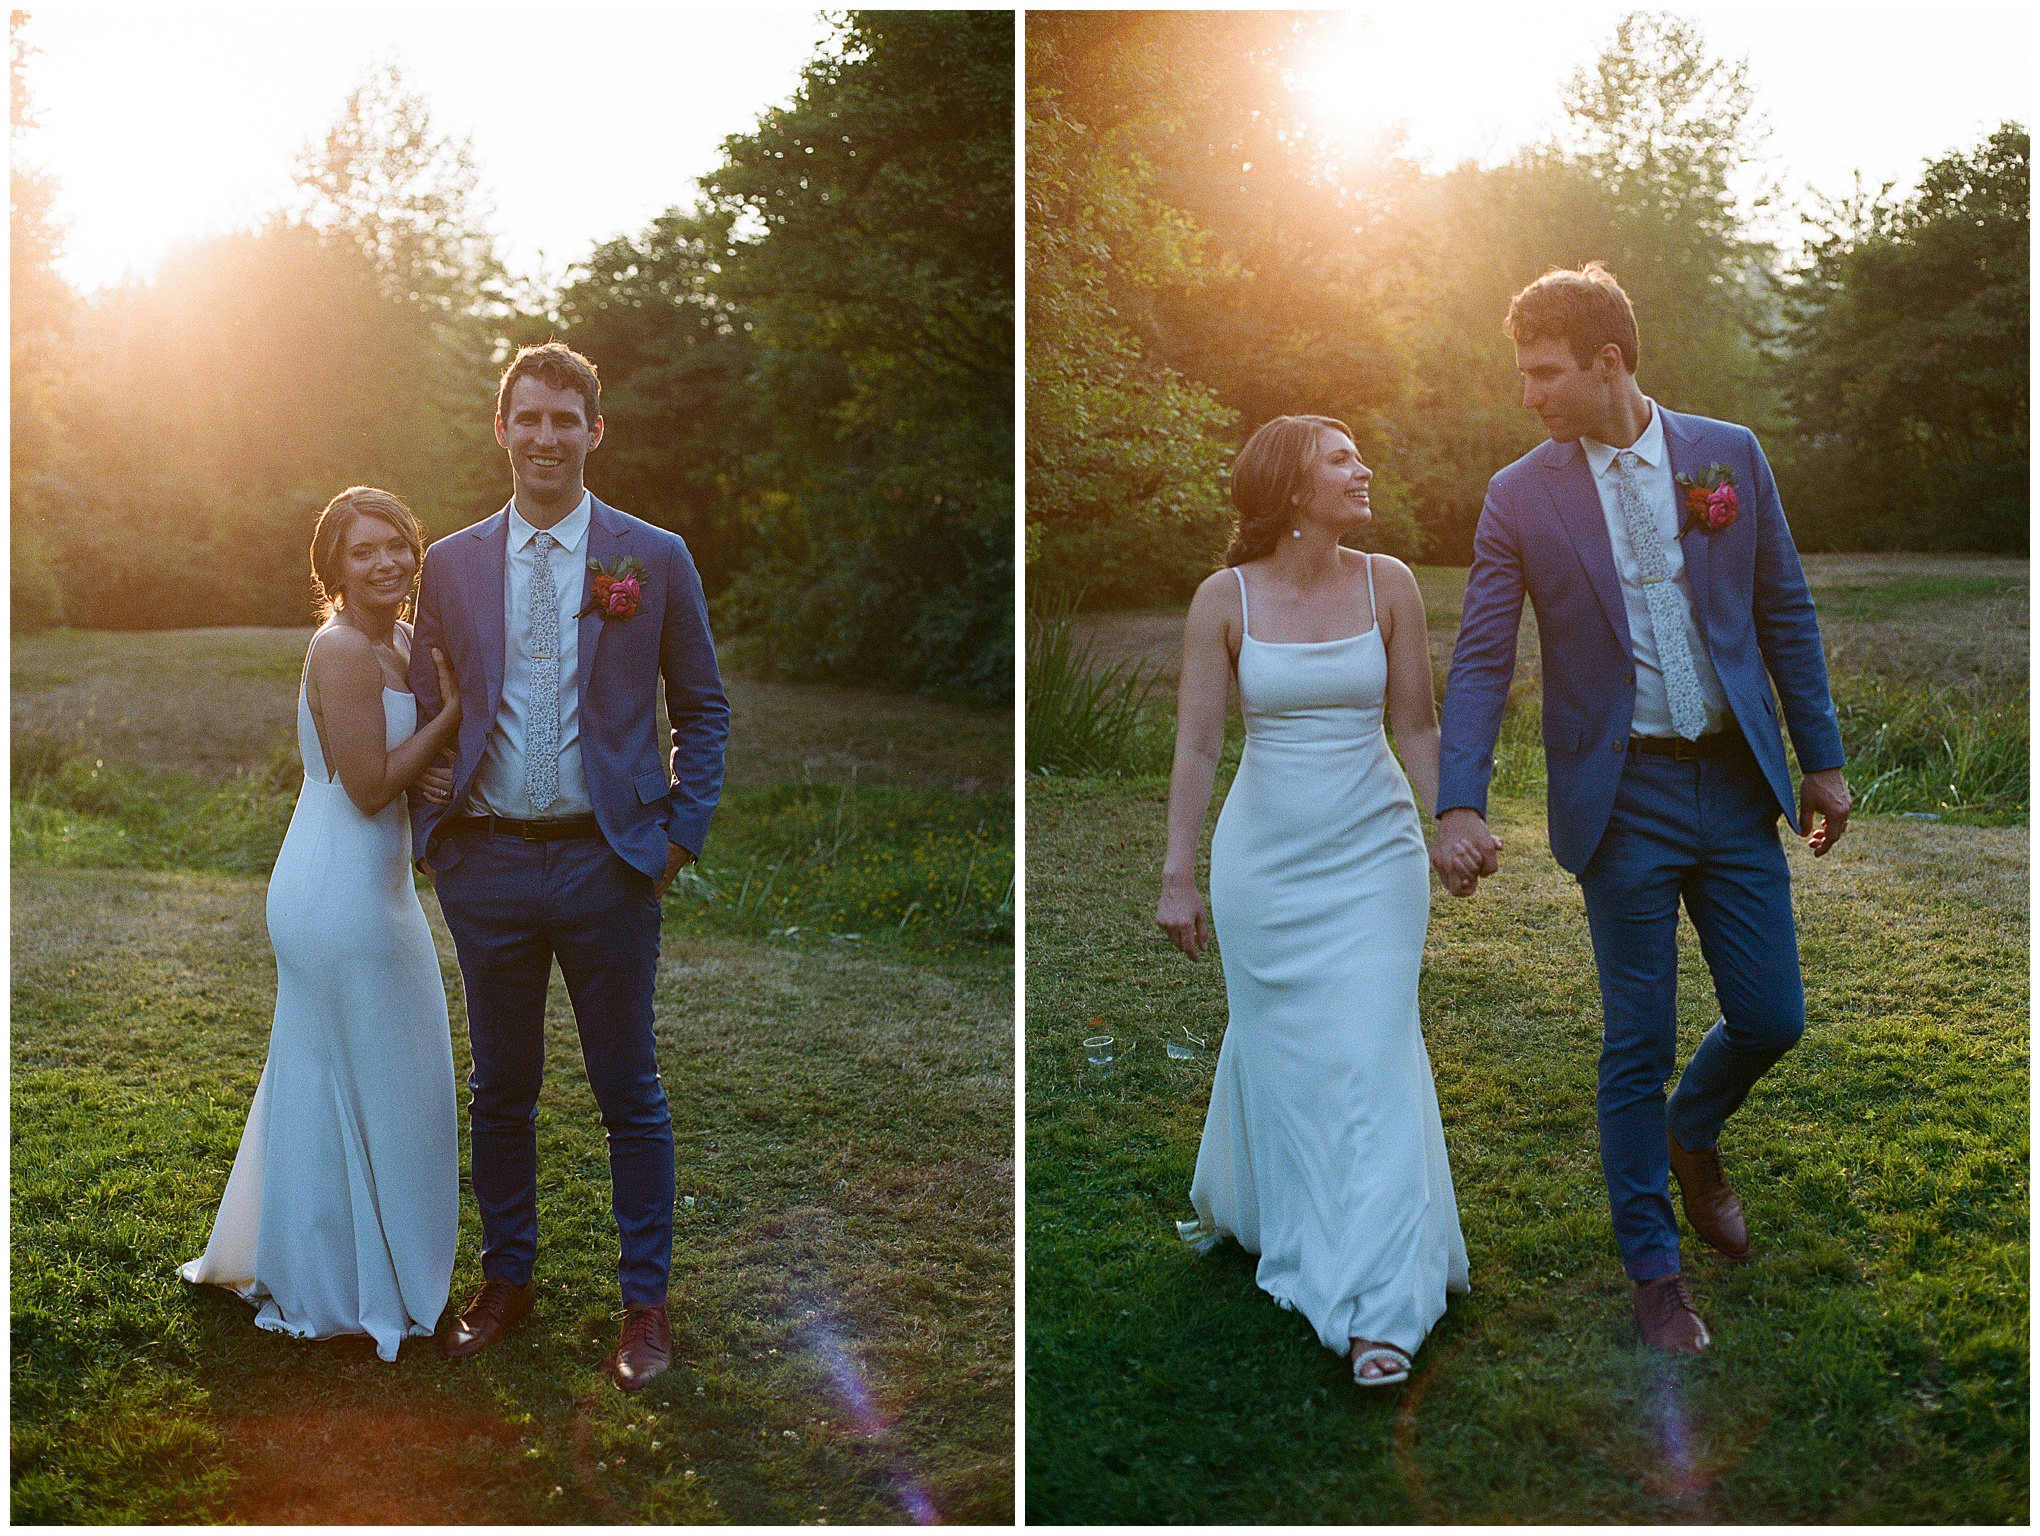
(1083, 720)
(1924, 748)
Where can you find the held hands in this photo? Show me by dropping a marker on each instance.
(1182, 917)
(1824, 793)
(1465, 850)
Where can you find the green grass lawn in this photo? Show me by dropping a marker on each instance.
(1870, 1362)
(842, 1285)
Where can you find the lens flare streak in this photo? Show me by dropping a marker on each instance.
(848, 1377)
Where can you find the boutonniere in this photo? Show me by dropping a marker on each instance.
(1710, 501)
(614, 589)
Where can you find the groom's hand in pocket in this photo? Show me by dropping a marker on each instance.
(677, 859)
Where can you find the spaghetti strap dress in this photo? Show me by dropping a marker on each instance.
(1323, 1148)
(341, 1212)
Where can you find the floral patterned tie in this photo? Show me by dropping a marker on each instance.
(1667, 622)
(542, 721)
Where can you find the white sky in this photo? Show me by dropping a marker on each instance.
(1880, 89)
(167, 122)
(174, 121)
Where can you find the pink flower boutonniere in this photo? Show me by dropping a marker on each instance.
(1710, 500)
(614, 589)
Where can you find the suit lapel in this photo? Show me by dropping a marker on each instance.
(1683, 448)
(605, 543)
(485, 602)
(1578, 505)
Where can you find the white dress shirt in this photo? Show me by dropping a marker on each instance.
(1653, 715)
(499, 781)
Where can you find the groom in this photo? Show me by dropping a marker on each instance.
(1669, 602)
(560, 616)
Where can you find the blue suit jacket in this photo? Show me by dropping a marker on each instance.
(460, 610)
(1541, 531)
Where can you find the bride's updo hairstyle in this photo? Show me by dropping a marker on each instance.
(1274, 466)
(332, 529)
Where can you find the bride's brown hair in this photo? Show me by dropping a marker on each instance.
(1271, 469)
(331, 531)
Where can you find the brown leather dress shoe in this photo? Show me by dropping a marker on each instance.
(498, 1307)
(1711, 1206)
(645, 1350)
(1664, 1311)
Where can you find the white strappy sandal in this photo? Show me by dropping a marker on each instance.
(1385, 1352)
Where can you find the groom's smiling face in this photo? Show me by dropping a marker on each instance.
(548, 436)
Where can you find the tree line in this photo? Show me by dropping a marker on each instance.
(807, 374)
(1203, 256)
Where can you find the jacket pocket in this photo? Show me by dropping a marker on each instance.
(652, 787)
(1563, 733)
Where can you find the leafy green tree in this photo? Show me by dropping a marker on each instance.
(1658, 126)
(879, 289)
(405, 198)
(1641, 178)
(219, 407)
(1125, 459)
(682, 411)
(1907, 362)
(42, 312)
(221, 404)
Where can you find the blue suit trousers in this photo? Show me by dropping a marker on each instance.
(513, 907)
(1704, 833)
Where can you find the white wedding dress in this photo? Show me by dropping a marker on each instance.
(1323, 1150)
(342, 1208)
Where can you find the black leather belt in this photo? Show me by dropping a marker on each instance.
(1684, 751)
(530, 831)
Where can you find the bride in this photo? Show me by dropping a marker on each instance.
(342, 1207)
(1323, 1150)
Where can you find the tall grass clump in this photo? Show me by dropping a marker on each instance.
(77, 811)
(934, 870)
(1952, 750)
(1083, 721)
(1519, 750)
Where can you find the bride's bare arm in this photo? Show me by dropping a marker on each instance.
(348, 684)
(1208, 649)
(1412, 710)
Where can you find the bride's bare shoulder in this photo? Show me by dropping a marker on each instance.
(337, 649)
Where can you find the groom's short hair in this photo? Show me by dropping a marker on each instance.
(557, 366)
(1586, 309)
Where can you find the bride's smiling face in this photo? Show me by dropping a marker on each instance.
(1336, 492)
(377, 565)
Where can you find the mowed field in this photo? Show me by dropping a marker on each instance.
(1871, 1360)
(842, 1102)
